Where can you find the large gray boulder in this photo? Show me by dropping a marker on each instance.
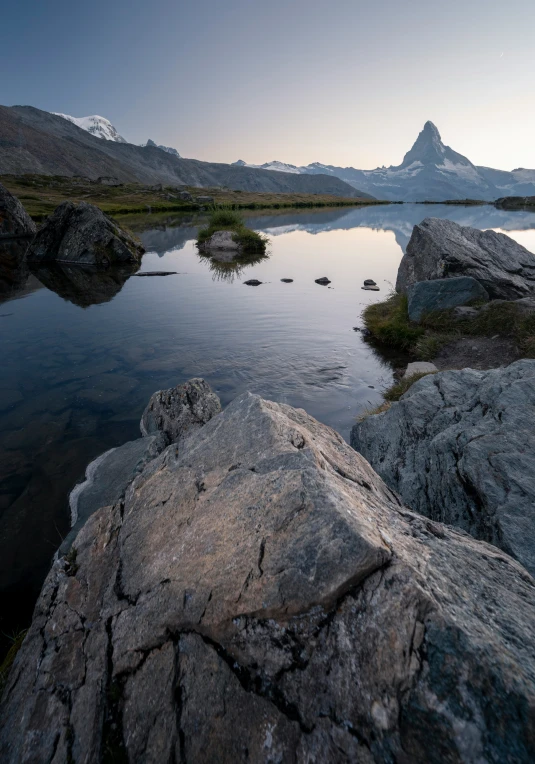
(14, 220)
(179, 410)
(262, 596)
(441, 294)
(460, 448)
(83, 234)
(441, 249)
(221, 246)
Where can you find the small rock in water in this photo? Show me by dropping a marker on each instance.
(156, 273)
(252, 282)
(287, 281)
(356, 329)
(323, 281)
(369, 282)
(371, 288)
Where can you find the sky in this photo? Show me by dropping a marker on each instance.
(342, 82)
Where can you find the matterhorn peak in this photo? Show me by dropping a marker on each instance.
(431, 130)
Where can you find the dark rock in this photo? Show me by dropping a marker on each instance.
(323, 281)
(108, 180)
(157, 187)
(287, 281)
(157, 273)
(181, 409)
(205, 200)
(441, 249)
(371, 288)
(82, 234)
(369, 282)
(263, 596)
(14, 220)
(14, 269)
(460, 447)
(442, 294)
(185, 196)
(252, 282)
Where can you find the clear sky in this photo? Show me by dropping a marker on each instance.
(345, 82)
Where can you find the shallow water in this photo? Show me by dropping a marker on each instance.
(82, 353)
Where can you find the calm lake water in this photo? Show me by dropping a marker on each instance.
(82, 353)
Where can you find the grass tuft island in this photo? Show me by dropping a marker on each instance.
(226, 231)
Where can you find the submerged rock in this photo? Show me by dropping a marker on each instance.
(84, 235)
(179, 410)
(369, 282)
(460, 448)
(261, 595)
(441, 249)
(442, 294)
(14, 220)
(323, 281)
(252, 282)
(287, 281)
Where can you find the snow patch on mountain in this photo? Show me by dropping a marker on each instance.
(98, 126)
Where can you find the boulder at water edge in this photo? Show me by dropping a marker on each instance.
(441, 294)
(260, 595)
(459, 447)
(14, 220)
(441, 249)
(221, 246)
(83, 234)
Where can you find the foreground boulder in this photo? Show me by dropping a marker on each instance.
(83, 234)
(460, 448)
(442, 294)
(260, 595)
(441, 249)
(179, 410)
(14, 220)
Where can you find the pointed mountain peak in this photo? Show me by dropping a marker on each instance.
(431, 130)
(428, 150)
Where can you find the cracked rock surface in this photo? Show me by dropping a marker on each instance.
(460, 448)
(14, 220)
(260, 595)
(441, 249)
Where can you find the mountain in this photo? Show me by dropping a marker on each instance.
(430, 170)
(98, 126)
(169, 149)
(38, 142)
(275, 165)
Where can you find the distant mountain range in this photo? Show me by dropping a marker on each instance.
(38, 142)
(429, 171)
(168, 149)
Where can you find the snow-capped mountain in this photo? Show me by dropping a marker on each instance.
(97, 126)
(276, 166)
(168, 149)
(429, 171)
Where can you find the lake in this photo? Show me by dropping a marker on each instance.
(81, 354)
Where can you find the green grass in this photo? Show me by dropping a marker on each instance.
(395, 392)
(250, 241)
(388, 322)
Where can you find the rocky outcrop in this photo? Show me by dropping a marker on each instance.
(14, 220)
(83, 234)
(261, 595)
(221, 246)
(442, 294)
(178, 411)
(441, 249)
(460, 448)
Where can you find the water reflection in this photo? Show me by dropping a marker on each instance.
(83, 286)
(223, 270)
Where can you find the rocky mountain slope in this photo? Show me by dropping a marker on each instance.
(35, 141)
(430, 171)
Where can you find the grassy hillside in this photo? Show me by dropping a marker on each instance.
(41, 194)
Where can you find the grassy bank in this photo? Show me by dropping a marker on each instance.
(388, 323)
(41, 194)
(250, 241)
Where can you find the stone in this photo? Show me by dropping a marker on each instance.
(442, 294)
(459, 447)
(84, 235)
(252, 282)
(262, 596)
(108, 180)
(179, 410)
(157, 273)
(323, 281)
(221, 246)
(185, 196)
(369, 282)
(441, 249)
(371, 288)
(465, 311)
(205, 200)
(14, 220)
(287, 281)
(106, 479)
(419, 367)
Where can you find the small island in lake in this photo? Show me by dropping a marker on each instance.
(226, 237)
